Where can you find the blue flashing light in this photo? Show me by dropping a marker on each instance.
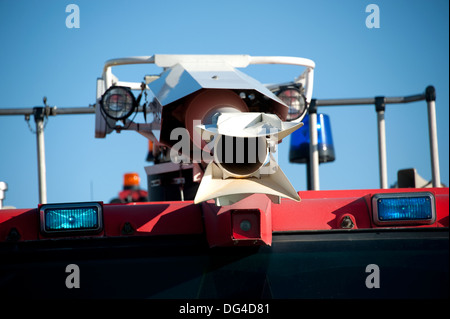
(300, 140)
(82, 218)
(407, 208)
(56, 218)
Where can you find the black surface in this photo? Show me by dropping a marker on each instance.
(311, 265)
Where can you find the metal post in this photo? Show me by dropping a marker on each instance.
(380, 107)
(3, 189)
(313, 147)
(39, 114)
(382, 150)
(39, 119)
(430, 96)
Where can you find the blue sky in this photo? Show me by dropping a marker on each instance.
(40, 56)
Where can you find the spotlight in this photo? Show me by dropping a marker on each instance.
(118, 102)
(293, 98)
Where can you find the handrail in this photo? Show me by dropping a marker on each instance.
(380, 104)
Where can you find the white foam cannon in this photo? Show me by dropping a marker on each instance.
(243, 162)
(198, 94)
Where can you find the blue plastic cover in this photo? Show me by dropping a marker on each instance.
(71, 218)
(404, 208)
(299, 147)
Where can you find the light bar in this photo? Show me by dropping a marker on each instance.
(73, 217)
(403, 208)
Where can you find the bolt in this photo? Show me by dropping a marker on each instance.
(347, 222)
(127, 229)
(13, 235)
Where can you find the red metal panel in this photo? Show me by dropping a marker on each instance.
(159, 218)
(318, 214)
(251, 218)
(322, 210)
(219, 223)
(318, 210)
(25, 221)
(442, 208)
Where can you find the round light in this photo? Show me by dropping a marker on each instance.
(118, 102)
(245, 225)
(131, 179)
(296, 102)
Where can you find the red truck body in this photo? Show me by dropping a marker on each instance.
(317, 248)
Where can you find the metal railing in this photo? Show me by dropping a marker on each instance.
(380, 103)
(41, 113)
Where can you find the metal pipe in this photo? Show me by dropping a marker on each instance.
(72, 110)
(313, 170)
(23, 111)
(380, 102)
(313, 152)
(336, 102)
(380, 107)
(432, 132)
(129, 60)
(39, 119)
(3, 189)
(51, 111)
(370, 101)
(382, 149)
(405, 99)
(39, 114)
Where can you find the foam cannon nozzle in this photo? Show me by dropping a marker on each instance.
(244, 161)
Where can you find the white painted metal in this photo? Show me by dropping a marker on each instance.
(432, 132)
(41, 161)
(227, 186)
(227, 191)
(251, 124)
(313, 152)
(235, 61)
(381, 125)
(3, 189)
